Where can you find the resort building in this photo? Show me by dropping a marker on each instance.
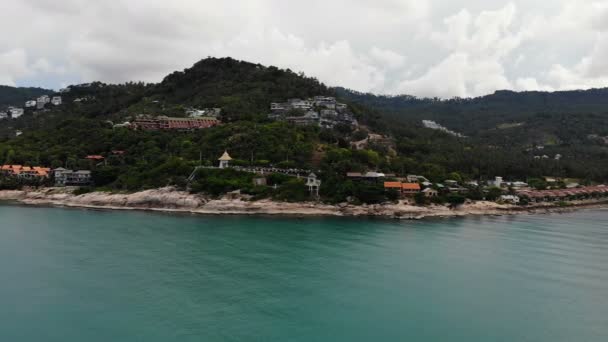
(405, 189)
(64, 177)
(25, 172)
(169, 123)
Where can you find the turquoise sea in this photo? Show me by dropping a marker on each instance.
(78, 275)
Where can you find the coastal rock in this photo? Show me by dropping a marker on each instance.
(171, 200)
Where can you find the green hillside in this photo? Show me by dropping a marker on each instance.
(496, 144)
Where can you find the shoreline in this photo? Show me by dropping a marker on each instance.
(169, 200)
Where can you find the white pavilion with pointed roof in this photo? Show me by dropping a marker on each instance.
(225, 160)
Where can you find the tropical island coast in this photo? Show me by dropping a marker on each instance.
(232, 137)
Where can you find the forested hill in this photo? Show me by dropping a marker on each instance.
(500, 129)
(239, 88)
(11, 96)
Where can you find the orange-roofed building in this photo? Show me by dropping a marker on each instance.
(392, 185)
(26, 172)
(94, 157)
(406, 189)
(410, 188)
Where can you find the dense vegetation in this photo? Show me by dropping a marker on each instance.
(507, 132)
(11, 96)
(63, 136)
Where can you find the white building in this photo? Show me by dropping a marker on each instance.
(43, 99)
(313, 184)
(497, 182)
(15, 112)
(300, 104)
(30, 104)
(65, 177)
(3, 115)
(56, 100)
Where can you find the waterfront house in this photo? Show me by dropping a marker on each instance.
(430, 192)
(410, 189)
(405, 189)
(25, 172)
(313, 184)
(64, 177)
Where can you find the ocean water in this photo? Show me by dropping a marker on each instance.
(78, 275)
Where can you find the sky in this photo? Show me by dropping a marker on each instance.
(427, 48)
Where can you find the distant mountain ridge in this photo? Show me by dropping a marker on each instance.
(470, 115)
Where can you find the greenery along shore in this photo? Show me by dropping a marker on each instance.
(502, 139)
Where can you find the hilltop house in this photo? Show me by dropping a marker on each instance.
(42, 101)
(207, 112)
(15, 112)
(320, 110)
(56, 100)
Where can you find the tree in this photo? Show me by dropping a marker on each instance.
(455, 199)
(493, 194)
(420, 198)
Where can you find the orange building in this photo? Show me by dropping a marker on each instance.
(405, 189)
(25, 171)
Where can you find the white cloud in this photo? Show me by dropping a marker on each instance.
(421, 47)
(13, 65)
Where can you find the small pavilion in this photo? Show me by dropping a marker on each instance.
(225, 160)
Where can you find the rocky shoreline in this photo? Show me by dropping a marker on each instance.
(171, 200)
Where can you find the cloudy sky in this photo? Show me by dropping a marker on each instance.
(439, 48)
